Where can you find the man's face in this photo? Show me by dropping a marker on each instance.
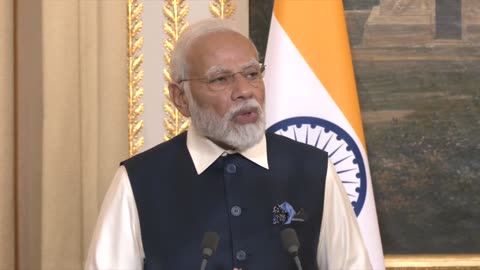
(235, 111)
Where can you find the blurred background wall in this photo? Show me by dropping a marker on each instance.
(64, 117)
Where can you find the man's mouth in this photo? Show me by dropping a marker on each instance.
(248, 116)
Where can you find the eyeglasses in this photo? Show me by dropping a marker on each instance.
(220, 81)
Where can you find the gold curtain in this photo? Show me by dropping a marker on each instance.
(63, 110)
(7, 214)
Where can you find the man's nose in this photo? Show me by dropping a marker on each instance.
(242, 88)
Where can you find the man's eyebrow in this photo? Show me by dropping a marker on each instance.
(216, 69)
(220, 69)
(250, 63)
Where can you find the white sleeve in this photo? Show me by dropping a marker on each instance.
(117, 242)
(341, 244)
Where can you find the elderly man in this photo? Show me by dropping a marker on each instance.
(224, 175)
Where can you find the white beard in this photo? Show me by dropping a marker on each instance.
(223, 129)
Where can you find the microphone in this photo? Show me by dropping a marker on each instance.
(208, 247)
(291, 244)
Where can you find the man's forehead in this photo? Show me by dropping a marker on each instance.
(221, 51)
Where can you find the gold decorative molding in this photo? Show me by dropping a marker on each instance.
(135, 76)
(175, 12)
(432, 262)
(222, 9)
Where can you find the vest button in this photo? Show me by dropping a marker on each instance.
(236, 211)
(231, 168)
(241, 255)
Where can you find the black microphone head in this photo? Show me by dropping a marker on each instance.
(209, 243)
(290, 241)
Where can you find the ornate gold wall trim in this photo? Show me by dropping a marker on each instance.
(222, 9)
(431, 262)
(175, 12)
(135, 76)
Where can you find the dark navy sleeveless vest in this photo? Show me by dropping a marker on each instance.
(233, 197)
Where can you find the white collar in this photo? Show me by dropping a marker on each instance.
(204, 152)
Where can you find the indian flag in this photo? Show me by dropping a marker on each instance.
(312, 97)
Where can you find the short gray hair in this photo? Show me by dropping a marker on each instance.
(179, 64)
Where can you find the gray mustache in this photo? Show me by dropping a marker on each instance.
(248, 105)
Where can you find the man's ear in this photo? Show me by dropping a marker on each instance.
(177, 96)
